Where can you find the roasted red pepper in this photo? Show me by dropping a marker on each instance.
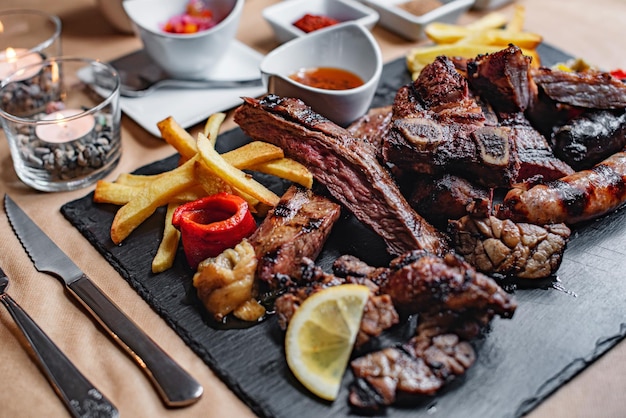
(212, 224)
(619, 74)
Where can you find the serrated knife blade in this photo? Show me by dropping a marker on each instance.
(175, 386)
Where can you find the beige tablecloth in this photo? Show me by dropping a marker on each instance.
(595, 30)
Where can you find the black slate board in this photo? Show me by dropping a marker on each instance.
(558, 329)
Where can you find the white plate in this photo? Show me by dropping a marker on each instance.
(189, 107)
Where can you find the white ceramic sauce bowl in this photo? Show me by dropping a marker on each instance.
(348, 46)
(281, 16)
(184, 56)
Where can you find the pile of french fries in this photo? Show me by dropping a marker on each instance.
(489, 34)
(202, 171)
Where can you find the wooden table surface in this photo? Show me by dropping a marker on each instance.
(593, 30)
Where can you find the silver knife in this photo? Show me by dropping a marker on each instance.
(80, 397)
(175, 386)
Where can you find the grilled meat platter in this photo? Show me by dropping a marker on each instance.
(470, 184)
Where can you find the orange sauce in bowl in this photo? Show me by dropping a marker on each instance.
(329, 78)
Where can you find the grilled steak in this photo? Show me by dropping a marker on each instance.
(589, 89)
(578, 197)
(297, 227)
(503, 79)
(372, 126)
(422, 282)
(344, 165)
(590, 137)
(511, 249)
(535, 156)
(439, 199)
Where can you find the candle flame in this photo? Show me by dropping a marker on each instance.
(54, 72)
(10, 54)
(1, 27)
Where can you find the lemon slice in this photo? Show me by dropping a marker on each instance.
(320, 337)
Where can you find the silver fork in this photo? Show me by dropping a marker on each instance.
(132, 91)
(81, 398)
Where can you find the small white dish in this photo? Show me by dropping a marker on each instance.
(410, 26)
(489, 4)
(190, 107)
(281, 16)
(184, 56)
(346, 46)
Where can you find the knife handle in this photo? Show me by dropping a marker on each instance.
(175, 386)
(80, 397)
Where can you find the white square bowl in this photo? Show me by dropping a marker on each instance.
(281, 16)
(489, 4)
(410, 26)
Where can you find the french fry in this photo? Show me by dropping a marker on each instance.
(158, 193)
(120, 194)
(491, 20)
(114, 193)
(210, 183)
(166, 253)
(418, 58)
(443, 33)
(253, 153)
(288, 169)
(483, 36)
(231, 175)
(178, 137)
(137, 180)
(212, 126)
(516, 24)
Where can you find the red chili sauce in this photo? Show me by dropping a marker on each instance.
(328, 78)
(309, 23)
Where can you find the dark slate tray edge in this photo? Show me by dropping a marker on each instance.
(69, 212)
(570, 371)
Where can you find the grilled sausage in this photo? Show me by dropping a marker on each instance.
(578, 197)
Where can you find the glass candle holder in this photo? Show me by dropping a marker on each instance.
(27, 37)
(63, 122)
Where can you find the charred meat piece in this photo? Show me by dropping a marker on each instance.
(535, 155)
(422, 282)
(421, 367)
(522, 250)
(297, 227)
(590, 138)
(446, 129)
(423, 145)
(589, 89)
(578, 197)
(379, 312)
(503, 79)
(448, 197)
(372, 126)
(345, 166)
(455, 303)
(445, 94)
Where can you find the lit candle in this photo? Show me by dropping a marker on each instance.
(12, 60)
(65, 130)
